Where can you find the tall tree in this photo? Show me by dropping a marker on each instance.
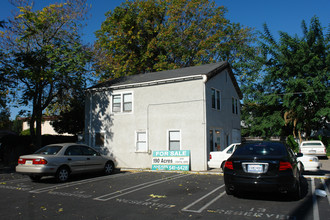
(296, 80)
(44, 54)
(152, 35)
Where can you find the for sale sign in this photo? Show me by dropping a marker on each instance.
(171, 160)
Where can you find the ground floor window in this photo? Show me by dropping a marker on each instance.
(141, 141)
(174, 140)
(99, 139)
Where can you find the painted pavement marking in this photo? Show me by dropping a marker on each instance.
(138, 187)
(65, 185)
(316, 215)
(186, 209)
(326, 189)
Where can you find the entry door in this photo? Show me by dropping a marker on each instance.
(215, 140)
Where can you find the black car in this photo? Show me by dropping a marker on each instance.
(263, 167)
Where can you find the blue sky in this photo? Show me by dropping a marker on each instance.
(279, 15)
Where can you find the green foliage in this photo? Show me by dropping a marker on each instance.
(26, 132)
(5, 123)
(292, 143)
(152, 35)
(72, 120)
(294, 84)
(44, 54)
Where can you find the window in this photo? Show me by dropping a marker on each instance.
(216, 99)
(99, 139)
(116, 103)
(213, 98)
(235, 105)
(174, 140)
(141, 141)
(122, 102)
(127, 102)
(73, 151)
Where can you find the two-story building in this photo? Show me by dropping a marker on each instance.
(194, 108)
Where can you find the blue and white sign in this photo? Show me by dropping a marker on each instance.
(171, 160)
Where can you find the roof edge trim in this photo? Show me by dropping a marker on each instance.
(150, 83)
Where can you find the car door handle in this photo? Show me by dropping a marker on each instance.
(88, 158)
(69, 159)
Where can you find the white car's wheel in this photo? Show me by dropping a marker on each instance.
(62, 174)
(109, 168)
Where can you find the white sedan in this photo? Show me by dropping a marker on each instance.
(310, 163)
(218, 158)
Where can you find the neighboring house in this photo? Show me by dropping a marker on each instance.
(46, 127)
(194, 108)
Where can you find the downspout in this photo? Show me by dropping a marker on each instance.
(90, 119)
(204, 122)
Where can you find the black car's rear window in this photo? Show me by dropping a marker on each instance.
(49, 150)
(262, 149)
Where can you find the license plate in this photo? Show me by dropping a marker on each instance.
(312, 151)
(28, 162)
(254, 168)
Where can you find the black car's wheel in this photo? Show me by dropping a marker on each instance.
(109, 168)
(228, 191)
(62, 174)
(296, 194)
(35, 178)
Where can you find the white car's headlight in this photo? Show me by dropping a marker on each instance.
(314, 159)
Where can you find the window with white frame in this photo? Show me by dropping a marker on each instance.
(122, 102)
(116, 103)
(141, 141)
(174, 140)
(216, 99)
(127, 98)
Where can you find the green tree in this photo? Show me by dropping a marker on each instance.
(153, 35)
(44, 54)
(72, 120)
(294, 89)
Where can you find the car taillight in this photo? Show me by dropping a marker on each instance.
(285, 166)
(229, 165)
(21, 161)
(210, 156)
(39, 161)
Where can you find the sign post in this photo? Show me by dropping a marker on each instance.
(171, 160)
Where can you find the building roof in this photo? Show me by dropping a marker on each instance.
(183, 74)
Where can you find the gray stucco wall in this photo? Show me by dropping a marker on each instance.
(157, 110)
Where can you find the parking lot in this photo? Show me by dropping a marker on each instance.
(150, 195)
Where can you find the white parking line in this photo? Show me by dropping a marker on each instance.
(138, 187)
(186, 209)
(315, 205)
(65, 185)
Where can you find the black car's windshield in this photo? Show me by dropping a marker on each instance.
(262, 149)
(49, 150)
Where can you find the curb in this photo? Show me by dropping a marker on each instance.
(325, 176)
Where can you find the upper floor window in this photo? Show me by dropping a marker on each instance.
(216, 99)
(235, 105)
(122, 102)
